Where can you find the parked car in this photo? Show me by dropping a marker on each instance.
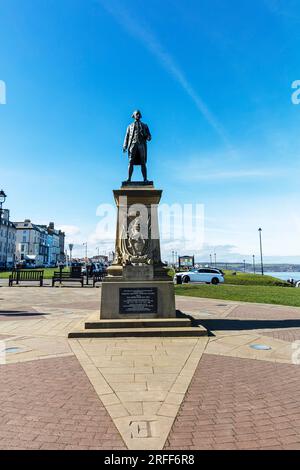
(207, 275)
(94, 268)
(76, 264)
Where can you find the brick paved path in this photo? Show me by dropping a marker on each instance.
(239, 398)
(235, 403)
(289, 334)
(50, 404)
(264, 312)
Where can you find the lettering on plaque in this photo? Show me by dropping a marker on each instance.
(138, 300)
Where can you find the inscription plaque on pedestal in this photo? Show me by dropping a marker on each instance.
(138, 300)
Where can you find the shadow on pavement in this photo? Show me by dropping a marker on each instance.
(19, 313)
(227, 324)
(236, 325)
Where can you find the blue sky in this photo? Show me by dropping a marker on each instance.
(213, 80)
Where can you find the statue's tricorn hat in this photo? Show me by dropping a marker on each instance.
(136, 111)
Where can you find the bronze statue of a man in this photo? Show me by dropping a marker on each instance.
(135, 142)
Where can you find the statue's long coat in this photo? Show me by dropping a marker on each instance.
(129, 136)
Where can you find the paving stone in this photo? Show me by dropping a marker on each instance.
(48, 426)
(266, 383)
(232, 403)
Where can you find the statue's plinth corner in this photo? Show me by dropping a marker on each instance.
(137, 184)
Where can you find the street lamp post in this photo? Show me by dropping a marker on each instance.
(261, 255)
(210, 259)
(71, 249)
(244, 261)
(86, 262)
(215, 255)
(86, 251)
(253, 256)
(2, 200)
(66, 256)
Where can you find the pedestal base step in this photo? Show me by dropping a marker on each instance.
(139, 323)
(139, 332)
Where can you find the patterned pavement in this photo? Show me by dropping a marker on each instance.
(289, 334)
(219, 394)
(50, 404)
(235, 403)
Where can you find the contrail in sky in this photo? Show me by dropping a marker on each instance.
(283, 8)
(150, 41)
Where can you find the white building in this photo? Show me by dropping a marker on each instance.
(28, 241)
(39, 245)
(7, 240)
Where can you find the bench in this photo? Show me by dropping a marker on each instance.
(66, 277)
(26, 275)
(98, 277)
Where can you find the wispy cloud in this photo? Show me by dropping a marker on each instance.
(285, 8)
(220, 166)
(70, 230)
(139, 31)
(231, 174)
(73, 235)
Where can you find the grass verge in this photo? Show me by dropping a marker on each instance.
(252, 279)
(245, 293)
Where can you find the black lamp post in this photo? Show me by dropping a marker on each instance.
(210, 258)
(253, 256)
(261, 256)
(71, 249)
(2, 200)
(215, 255)
(244, 261)
(86, 251)
(86, 262)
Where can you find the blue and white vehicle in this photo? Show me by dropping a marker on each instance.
(207, 275)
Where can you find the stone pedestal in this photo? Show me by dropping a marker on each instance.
(137, 285)
(132, 299)
(137, 295)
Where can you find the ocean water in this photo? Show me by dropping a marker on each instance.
(285, 276)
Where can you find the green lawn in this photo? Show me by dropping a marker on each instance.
(245, 293)
(48, 273)
(252, 279)
(242, 287)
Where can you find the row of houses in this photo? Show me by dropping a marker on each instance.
(30, 243)
(8, 236)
